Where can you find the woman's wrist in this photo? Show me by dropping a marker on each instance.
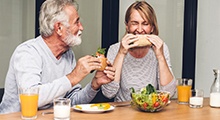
(95, 85)
(122, 53)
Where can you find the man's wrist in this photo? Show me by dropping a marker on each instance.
(73, 78)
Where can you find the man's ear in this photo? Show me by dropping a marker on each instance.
(58, 28)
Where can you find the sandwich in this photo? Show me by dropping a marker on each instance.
(100, 53)
(143, 41)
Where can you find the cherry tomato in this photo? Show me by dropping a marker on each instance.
(165, 100)
(156, 104)
(145, 105)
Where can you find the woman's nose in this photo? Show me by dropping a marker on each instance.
(140, 29)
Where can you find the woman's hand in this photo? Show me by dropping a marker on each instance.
(127, 43)
(103, 77)
(157, 45)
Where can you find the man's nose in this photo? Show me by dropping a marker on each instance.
(80, 26)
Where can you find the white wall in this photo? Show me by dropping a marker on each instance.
(170, 21)
(90, 12)
(208, 41)
(16, 27)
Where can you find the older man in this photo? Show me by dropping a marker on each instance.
(49, 63)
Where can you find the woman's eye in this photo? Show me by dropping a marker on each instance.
(145, 24)
(134, 23)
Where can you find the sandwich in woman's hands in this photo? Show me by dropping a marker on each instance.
(143, 41)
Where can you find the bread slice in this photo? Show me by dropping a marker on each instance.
(143, 41)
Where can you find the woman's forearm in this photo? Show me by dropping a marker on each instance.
(118, 62)
(164, 72)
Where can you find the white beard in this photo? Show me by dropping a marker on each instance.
(72, 40)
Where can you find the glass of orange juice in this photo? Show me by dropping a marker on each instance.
(29, 102)
(184, 86)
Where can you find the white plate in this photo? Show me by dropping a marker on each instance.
(88, 109)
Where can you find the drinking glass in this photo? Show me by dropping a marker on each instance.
(183, 90)
(29, 102)
(61, 109)
(196, 98)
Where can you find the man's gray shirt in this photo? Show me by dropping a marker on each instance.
(33, 64)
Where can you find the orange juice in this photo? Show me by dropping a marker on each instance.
(29, 104)
(183, 93)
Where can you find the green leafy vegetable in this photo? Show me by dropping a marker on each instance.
(132, 90)
(101, 50)
(150, 89)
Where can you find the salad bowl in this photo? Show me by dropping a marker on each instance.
(149, 100)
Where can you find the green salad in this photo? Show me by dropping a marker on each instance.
(149, 99)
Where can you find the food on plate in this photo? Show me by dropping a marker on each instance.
(149, 99)
(143, 41)
(94, 108)
(100, 53)
(79, 107)
(104, 106)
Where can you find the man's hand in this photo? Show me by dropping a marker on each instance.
(103, 77)
(83, 68)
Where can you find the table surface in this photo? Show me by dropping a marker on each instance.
(172, 111)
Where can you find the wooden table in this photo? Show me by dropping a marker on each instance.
(172, 112)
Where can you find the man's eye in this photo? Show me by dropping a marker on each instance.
(77, 22)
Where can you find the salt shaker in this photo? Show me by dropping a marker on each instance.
(215, 90)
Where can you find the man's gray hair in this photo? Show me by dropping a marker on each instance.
(52, 11)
